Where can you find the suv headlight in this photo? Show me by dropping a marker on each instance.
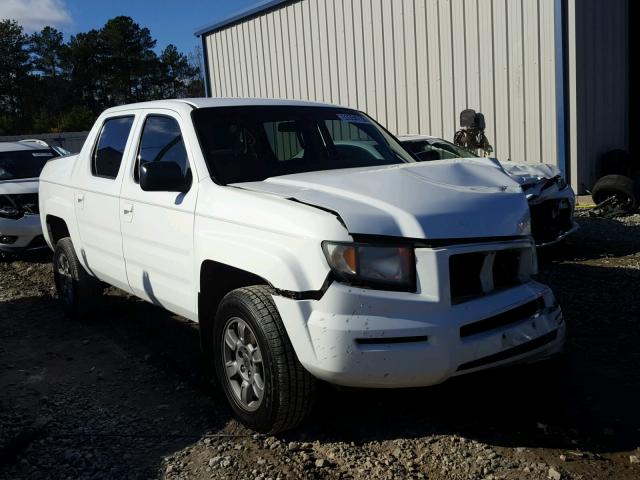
(385, 267)
(10, 212)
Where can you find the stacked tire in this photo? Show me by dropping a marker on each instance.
(619, 182)
(624, 190)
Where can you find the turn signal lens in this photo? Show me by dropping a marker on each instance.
(342, 258)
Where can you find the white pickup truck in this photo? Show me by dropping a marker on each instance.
(305, 241)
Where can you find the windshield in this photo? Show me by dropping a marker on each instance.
(23, 163)
(436, 149)
(245, 144)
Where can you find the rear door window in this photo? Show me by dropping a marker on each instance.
(107, 155)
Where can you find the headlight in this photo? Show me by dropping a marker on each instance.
(10, 212)
(386, 267)
(8, 208)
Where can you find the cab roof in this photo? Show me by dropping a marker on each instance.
(220, 102)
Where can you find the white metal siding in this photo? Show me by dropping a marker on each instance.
(411, 64)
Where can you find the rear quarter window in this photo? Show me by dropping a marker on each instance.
(107, 154)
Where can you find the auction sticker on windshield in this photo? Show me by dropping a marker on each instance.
(352, 118)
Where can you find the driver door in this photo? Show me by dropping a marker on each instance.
(157, 227)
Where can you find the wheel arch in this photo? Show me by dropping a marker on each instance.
(216, 280)
(56, 229)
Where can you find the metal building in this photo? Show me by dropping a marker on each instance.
(551, 77)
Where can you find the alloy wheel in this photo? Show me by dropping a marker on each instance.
(65, 280)
(243, 364)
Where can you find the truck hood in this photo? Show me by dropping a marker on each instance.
(457, 198)
(18, 187)
(540, 182)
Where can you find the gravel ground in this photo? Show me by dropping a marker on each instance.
(124, 395)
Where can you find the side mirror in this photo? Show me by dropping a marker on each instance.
(163, 177)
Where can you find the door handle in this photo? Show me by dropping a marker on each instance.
(127, 210)
(80, 200)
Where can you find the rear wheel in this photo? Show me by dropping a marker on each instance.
(78, 291)
(265, 384)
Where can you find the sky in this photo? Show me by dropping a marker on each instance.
(170, 21)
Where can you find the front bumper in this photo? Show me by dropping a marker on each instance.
(364, 338)
(27, 231)
(371, 338)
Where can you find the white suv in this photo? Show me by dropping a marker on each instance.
(306, 243)
(20, 167)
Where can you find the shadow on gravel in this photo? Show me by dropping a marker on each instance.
(107, 398)
(587, 400)
(36, 256)
(129, 385)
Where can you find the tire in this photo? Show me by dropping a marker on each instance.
(271, 395)
(623, 188)
(78, 292)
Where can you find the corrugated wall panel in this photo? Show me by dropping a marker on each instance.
(411, 64)
(515, 65)
(472, 64)
(459, 62)
(599, 88)
(487, 84)
(380, 111)
(548, 110)
(351, 67)
(422, 106)
(434, 64)
(412, 96)
(448, 81)
(368, 57)
(358, 52)
(531, 54)
(502, 134)
(390, 50)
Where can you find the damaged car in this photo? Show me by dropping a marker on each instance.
(20, 167)
(307, 244)
(551, 200)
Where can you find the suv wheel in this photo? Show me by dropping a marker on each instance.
(265, 384)
(78, 291)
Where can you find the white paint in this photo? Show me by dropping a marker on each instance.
(153, 245)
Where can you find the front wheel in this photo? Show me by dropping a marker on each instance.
(265, 384)
(78, 291)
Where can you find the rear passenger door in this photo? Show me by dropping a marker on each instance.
(97, 201)
(157, 227)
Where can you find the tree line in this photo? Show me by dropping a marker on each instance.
(49, 85)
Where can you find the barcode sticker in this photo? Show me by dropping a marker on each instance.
(352, 118)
